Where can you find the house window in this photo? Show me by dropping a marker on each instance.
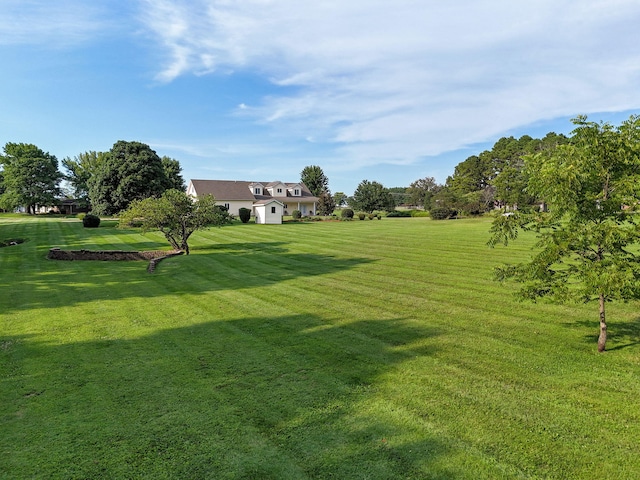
(285, 206)
(273, 209)
(296, 192)
(279, 190)
(257, 190)
(226, 205)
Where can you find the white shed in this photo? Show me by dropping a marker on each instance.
(269, 211)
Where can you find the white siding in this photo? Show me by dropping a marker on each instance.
(270, 213)
(236, 205)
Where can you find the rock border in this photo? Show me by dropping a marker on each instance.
(154, 256)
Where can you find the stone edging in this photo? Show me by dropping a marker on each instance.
(154, 256)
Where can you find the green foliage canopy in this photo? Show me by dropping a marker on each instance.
(371, 196)
(592, 188)
(80, 169)
(172, 171)
(176, 215)
(315, 179)
(31, 177)
(130, 171)
(422, 190)
(340, 199)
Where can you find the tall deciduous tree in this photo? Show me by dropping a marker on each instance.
(315, 179)
(31, 177)
(592, 188)
(422, 190)
(370, 196)
(176, 215)
(79, 171)
(172, 171)
(131, 171)
(340, 198)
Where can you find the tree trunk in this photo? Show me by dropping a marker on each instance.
(602, 339)
(185, 245)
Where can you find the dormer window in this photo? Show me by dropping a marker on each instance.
(296, 192)
(279, 190)
(257, 191)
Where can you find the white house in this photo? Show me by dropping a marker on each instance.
(268, 201)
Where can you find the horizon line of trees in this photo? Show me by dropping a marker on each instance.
(494, 178)
(110, 181)
(482, 182)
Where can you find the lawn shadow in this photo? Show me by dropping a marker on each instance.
(620, 334)
(242, 247)
(56, 283)
(261, 397)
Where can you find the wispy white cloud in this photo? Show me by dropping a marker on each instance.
(395, 82)
(51, 23)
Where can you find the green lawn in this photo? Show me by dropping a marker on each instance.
(347, 350)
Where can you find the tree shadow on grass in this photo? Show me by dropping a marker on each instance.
(242, 247)
(620, 335)
(262, 397)
(55, 283)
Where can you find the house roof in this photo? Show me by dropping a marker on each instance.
(224, 189)
(240, 190)
(267, 201)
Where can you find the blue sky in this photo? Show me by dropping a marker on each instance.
(258, 89)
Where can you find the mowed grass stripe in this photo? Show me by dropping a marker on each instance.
(305, 351)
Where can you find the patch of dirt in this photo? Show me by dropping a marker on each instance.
(12, 241)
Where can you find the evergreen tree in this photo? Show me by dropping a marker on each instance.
(315, 179)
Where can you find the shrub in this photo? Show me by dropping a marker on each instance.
(296, 214)
(419, 213)
(361, 216)
(371, 216)
(399, 213)
(347, 213)
(81, 216)
(245, 214)
(91, 221)
(441, 213)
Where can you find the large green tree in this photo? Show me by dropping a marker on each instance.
(131, 171)
(172, 171)
(422, 190)
(176, 215)
(315, 179)
(31, 177)
(371, 196)
(340, 198)
(79, 171)
(472, 175)
(588, 238)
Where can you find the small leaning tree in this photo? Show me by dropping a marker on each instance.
(587, 238)
(176, 215)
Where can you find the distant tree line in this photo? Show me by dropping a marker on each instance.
(493, 178)
(107, 181)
